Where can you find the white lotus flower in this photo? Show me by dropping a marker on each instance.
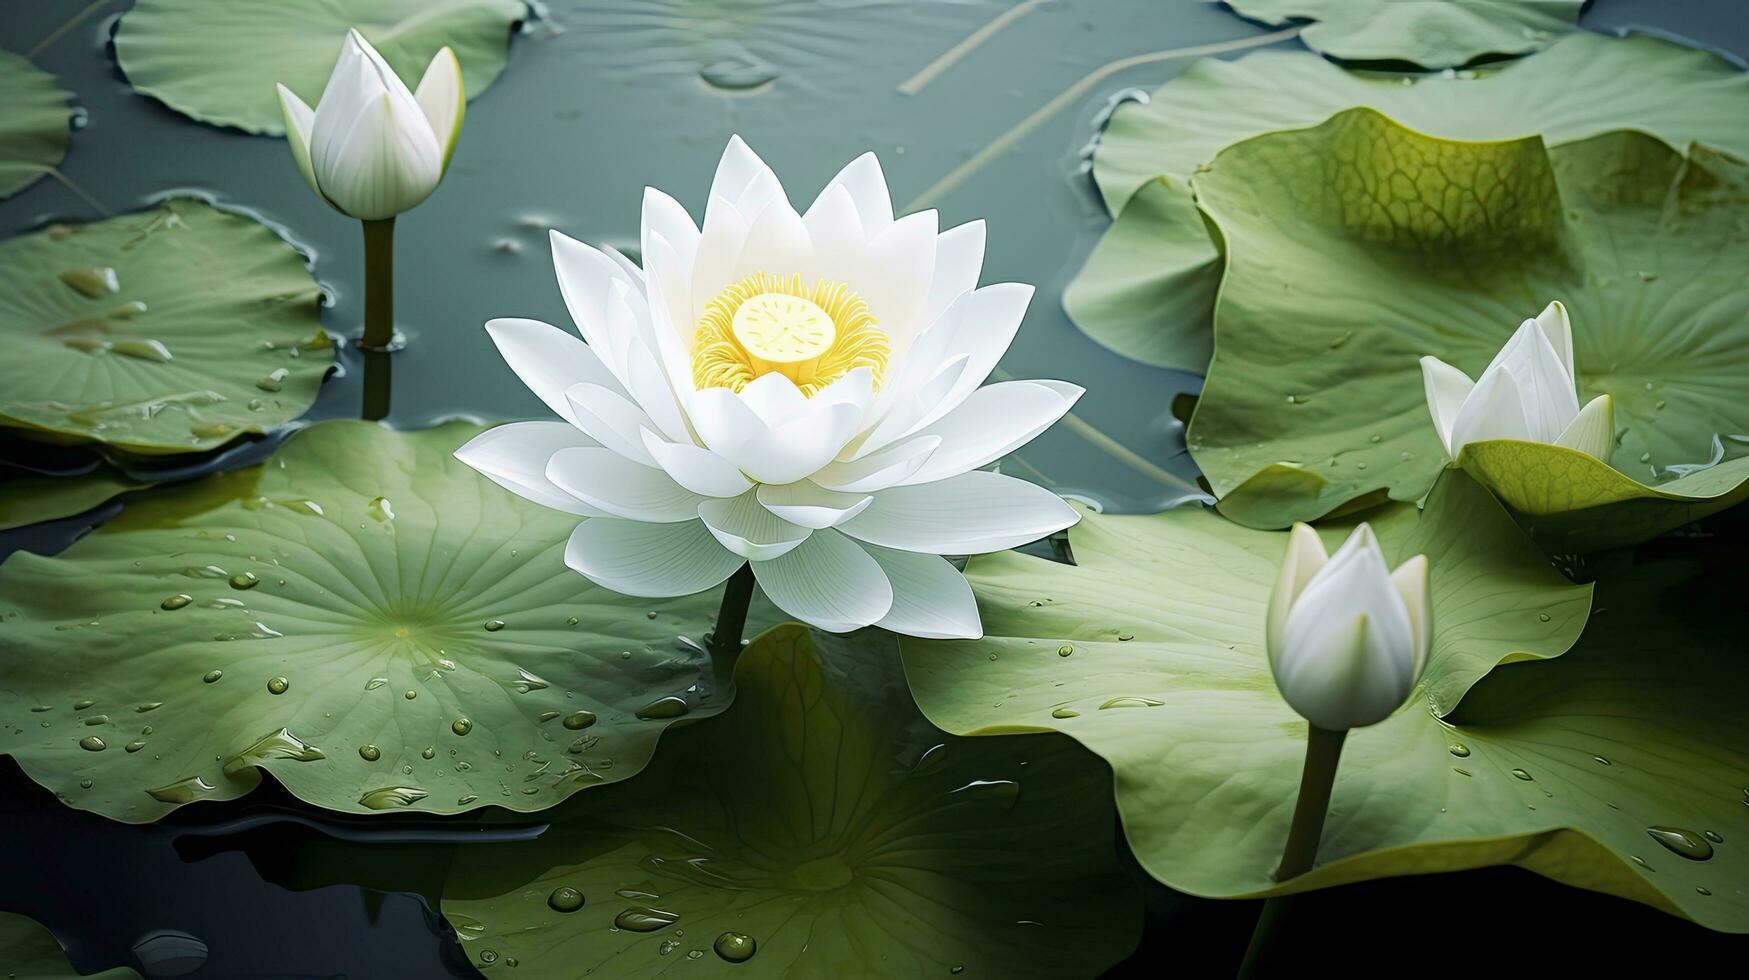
(1527, 393)
(1347, 637)
(371, 148)
(798, 391)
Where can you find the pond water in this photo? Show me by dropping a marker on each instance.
(598, 100)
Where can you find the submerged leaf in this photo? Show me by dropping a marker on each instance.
(31, 951)
(1429, 33)
(1151, 653)
(1147, 289)
(219, 62)
(33, 130)
(172, 330)
(819, 828)
(1357, 246)
(361, 616)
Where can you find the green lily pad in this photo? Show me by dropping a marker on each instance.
(172, 330)
(818, 828)
(219, 62)
(31, 499)
(361, 616)
(1147, 289)
(1575, 503)
(1150, 652)
(33, 132)
(1429, 33)
(33, 953)
(1357, 246)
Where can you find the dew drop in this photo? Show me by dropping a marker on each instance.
(82, 704)
(1543, 617)
(176, 601)
(1459, 749)
(642, 918)
(1714, 836)
(381, 510)
(527, 681)
(735, 947)
(244, 580)
(1521, 774)
(369, 753)
(273, 380)
(666, 707)
(1065, 650)
(375, 682)
(91, 280)
(565, 899)
(1701, 890)
(91, 743)
(1065, 713)
(133, 747)
(465, 799)
(1682, 843)
(1131, 702)
(572, 620)
(494, 625)
(212, 676)
(461, 726)
(579, 720)
(488, 956)
(650, 615)
(281, 744)
(277, 685)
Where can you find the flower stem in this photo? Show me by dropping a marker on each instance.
(379, 284)
(378, 375)
(725, 639)
(1317, 778)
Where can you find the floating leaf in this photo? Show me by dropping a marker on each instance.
(1147, 289)
(1429, 33)
(219, 62)
(33, 131)
(817, 825)
(172, 330)
(32, 952)
(1574, 503)
(362, 617)
(26, 498)
(1357, 246)
(1150, 652)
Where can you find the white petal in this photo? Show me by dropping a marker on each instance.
(737, 171)
(776, 242)
(797, 449)
(647, 383)
(748, 529)
(965, 515)
(774, 398)
(609, 482)
(1592, 431)
(880, 470)
(1410, 581)
(587, 280)
(635, 558)
(696, 468)
(373, 153)
(548, 360)
(896, 283)
(1493, 410)
(443, 100)
(827, 581)
(862, 177)
(834, 230)
(611, 420)
(665, 216)
(810, 505)
(299, 118)
(1559, 330)
(992, 423)
(903, 412)
(514, 456)
(931, 599)
(1305, 555)
(988, 320)
(1446, 389)
(719, 248)
(959, 258)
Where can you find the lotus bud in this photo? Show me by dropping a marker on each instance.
(371, 148)
(1527, 393)
(1347, 637)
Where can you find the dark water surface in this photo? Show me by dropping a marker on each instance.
(599, 99)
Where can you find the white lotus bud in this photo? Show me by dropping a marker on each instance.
(1347, 637)
(371, 148)
(1527, 393)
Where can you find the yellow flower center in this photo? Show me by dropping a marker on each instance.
(765, 323)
